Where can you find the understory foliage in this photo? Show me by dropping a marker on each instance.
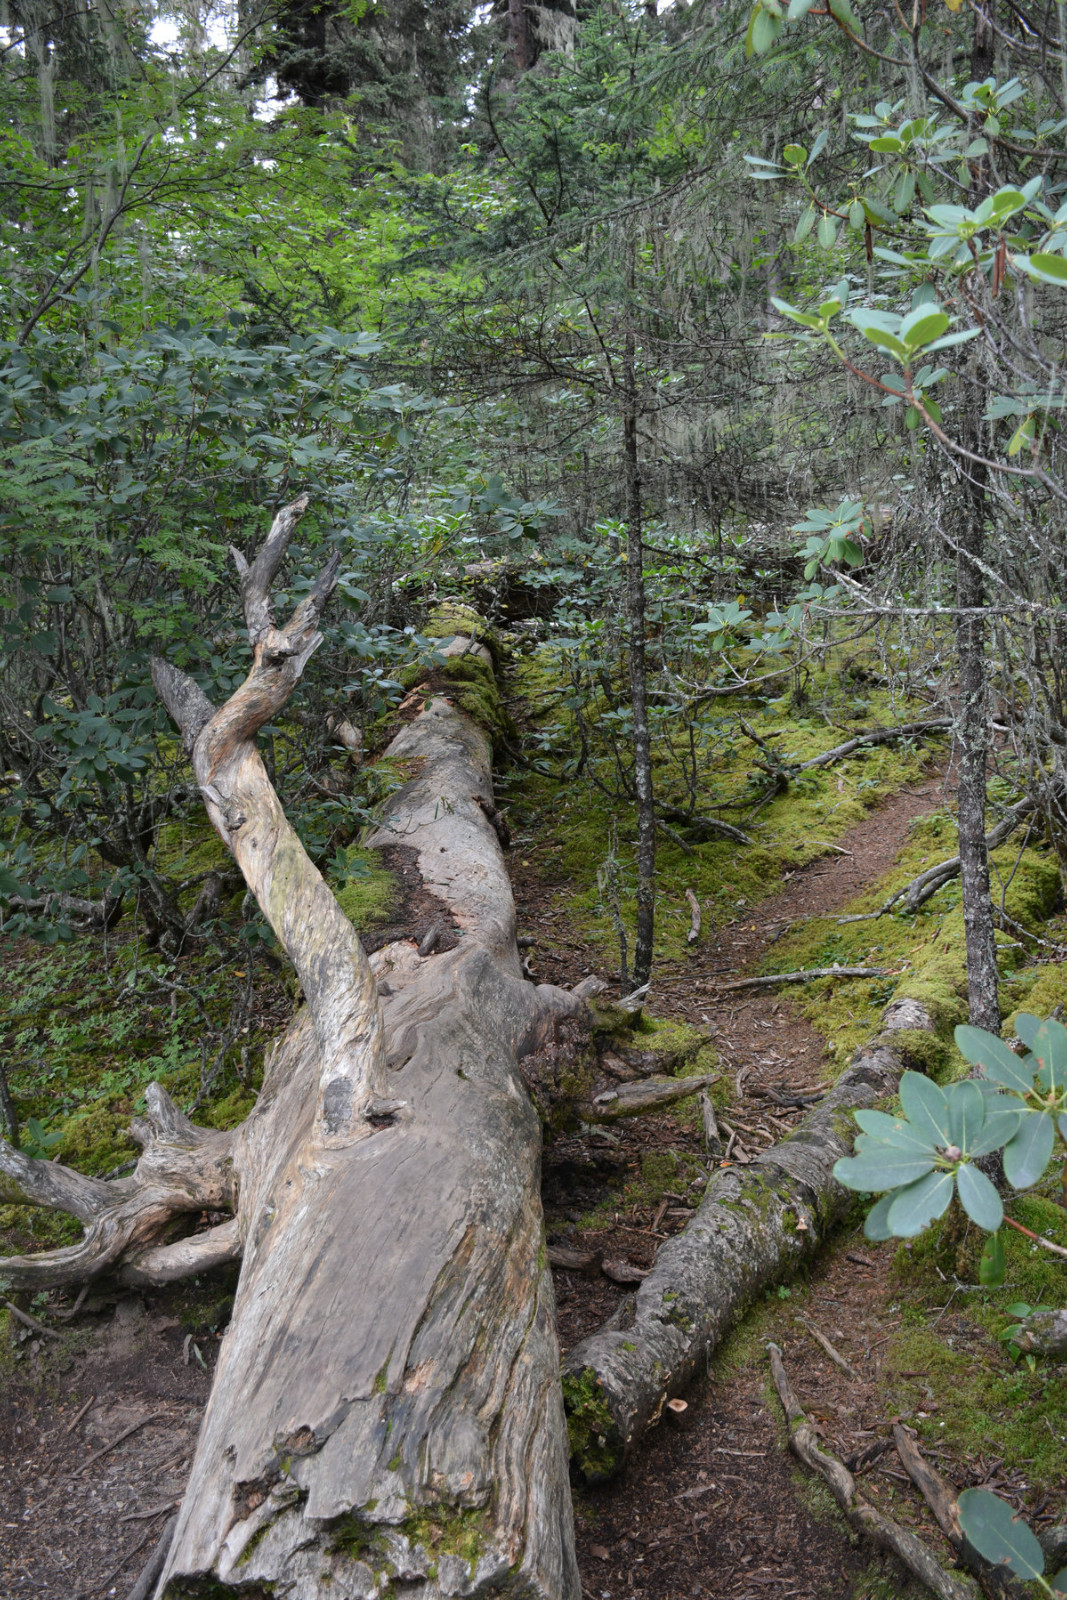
(712, 358)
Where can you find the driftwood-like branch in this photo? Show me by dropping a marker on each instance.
(702, 827)
(864, 1517)
(183, 1169)
(941, 1497)
(648, 1094)
(754, 1226)
(904, 730)
(772, 979)
(318, 937)
(695, 918)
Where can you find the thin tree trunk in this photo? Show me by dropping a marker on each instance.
(973, 736)
(518, 34)
(635, 616)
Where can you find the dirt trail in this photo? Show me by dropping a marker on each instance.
(718, 1510)
(78, 1520)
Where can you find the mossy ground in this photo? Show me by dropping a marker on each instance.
(577, 833)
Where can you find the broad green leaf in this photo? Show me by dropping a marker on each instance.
(979, 1198)
(798, 9)
(877, 1226)
(893, 1130)
(795, 155)
(1050, 1048)
(921, 1203)
(993, 1263)
(763, 29)
(966, 1113)
(997, 1059)
(884, 1168)
(904, 192)
(1028, 1154)
(1058, 1584)
(991, 1526)
(827, 231)
(887, 145)
(857, 217)
(1052, 268)
(922, 327)
(805, 225)
(1001, 1124)
(961, 336)
(819, 146)
(1027, 1028)
(926, 1107)
(803, 317)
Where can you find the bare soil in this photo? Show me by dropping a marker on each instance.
(714, 1508)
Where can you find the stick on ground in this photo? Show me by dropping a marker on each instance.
(862, 1516)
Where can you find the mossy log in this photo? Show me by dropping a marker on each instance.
(386, 1407)
(755, 1226)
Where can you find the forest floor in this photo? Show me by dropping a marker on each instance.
(97, 1425)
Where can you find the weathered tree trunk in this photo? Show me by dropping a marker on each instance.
(755, 1226)
(387, 1402)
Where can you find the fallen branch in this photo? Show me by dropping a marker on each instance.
(647, 1094)
(904, 730)
(809, 976)
(755, 1225)
(835, 1355)
(135, 1427)
(31, 1322)
(701, 825)
(920, 889)
(941, 1497)
(153, 1567)
(861, 1515)
(694, 906)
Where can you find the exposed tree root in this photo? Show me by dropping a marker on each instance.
(864, 1517)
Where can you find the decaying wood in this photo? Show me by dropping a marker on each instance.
(694, 909)
(648, 1094)
(150, 1573)
(387, 1403)
(835, 1355)
(753, 1227)
(769, 980)
(864, 1517)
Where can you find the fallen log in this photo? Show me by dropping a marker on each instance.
(752, 1228)
(864, 1517)
(386, 1405)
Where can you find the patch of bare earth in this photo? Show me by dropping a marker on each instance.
(717, 1508)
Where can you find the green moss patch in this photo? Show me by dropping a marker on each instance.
(596, 1445)
(368, 897)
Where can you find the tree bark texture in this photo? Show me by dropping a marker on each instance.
(635, 617)
(972, 735)
(387, 1406)
(755, 1225)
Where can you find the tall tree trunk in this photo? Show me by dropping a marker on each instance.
(635, 617)
(519, 34)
